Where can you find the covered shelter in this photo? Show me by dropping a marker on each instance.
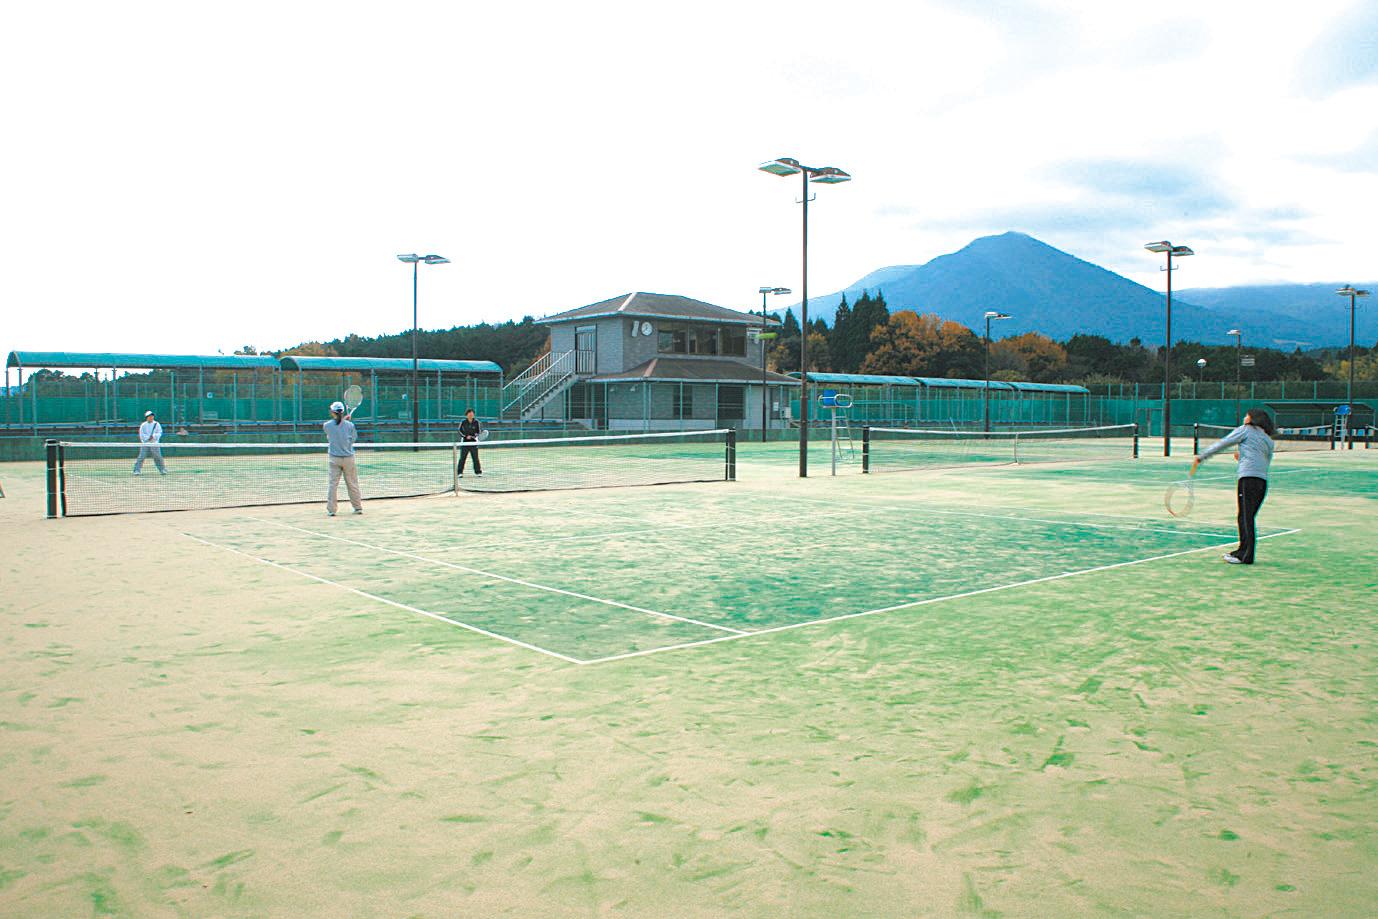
(445, 388)
(114, 389)
(911, 400)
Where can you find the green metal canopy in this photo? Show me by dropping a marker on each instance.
(386, 364)
(876, 379)
(37, 360)
(1051, 387)
(860, 379)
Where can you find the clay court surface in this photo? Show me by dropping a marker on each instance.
(987, 690)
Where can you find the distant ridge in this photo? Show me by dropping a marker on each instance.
(1050, 291)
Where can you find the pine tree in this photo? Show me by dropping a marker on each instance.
(839, 340)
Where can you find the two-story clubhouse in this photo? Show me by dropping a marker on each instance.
(653, 362)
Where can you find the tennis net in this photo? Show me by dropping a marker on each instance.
(1289, 440)
(886, 449)
(98, 478)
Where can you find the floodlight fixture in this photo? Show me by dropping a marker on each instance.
(782, 166)
(830, 175)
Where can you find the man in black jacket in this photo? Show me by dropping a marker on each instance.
(469, 430)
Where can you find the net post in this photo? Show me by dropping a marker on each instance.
(731, 455)
(454, 467)
(865, 449)
(1136, 440)
(52, 460)
(1195, 438)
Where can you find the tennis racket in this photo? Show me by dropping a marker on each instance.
(1181, 497)
(353, 398)
(483, 435)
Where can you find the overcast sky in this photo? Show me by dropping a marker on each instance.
(192, 177)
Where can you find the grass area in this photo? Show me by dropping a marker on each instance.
(986, 691)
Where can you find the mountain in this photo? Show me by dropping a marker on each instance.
(1047, 290)
(1310, 303)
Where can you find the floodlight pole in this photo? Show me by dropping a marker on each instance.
(804, 341)
(415, 363)
(415, 260)
(985, 415)
(1349, 291)
(765, 395)
(1169, 250)
(1238, 369)
(828, 175)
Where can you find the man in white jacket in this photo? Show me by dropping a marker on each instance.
(150, 432)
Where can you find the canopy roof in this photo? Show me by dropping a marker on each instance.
(694, 370)
(386, 364)
(36, 360)
(877, 379)
(101, 359)
(660, 306)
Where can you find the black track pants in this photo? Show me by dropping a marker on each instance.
(1251, 492)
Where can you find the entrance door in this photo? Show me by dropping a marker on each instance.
(586, 350)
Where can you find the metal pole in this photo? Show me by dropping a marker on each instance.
(415, 409)
(804, 342)
(765, 397)
(834, 443)
(1349, 393)
(1167, 365)
(986, 413)
(1238, 374)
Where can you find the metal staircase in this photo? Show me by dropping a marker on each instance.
(529, 391)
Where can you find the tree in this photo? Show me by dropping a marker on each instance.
(783, 356)
(869, 312)
(839, 345)
(820, 359)
(1037, 356)
(311, 349)
(908, 344)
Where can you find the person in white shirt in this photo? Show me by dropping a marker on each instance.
(150, 433)
(340, 433)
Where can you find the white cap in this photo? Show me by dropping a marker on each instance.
(337, 406)
(148, 414)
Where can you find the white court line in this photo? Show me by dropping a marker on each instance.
(925, 602)
(1068, 523)
(411, 609)
(501, 577)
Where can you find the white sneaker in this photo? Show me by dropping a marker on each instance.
(138, 473)
(1232, 559)
(330, 513)
(358, 510)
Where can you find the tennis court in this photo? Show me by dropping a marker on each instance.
(973, 689)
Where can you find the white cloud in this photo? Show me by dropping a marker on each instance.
(186, 178)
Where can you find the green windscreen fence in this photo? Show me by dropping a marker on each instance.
(238, 399)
